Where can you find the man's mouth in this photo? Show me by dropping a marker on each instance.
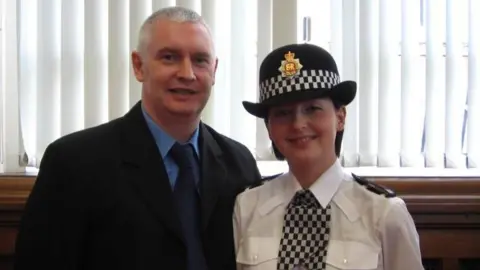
(182, 91)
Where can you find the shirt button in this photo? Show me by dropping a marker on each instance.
(255, 257)
(345, 261)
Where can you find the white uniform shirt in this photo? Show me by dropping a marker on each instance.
(367, 230)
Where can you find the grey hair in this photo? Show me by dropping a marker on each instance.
(175, 13)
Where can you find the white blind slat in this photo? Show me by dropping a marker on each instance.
(118, 58)
(72, 67)
(264, 45)
(435, 86)
(27, 76)
(139, 11)
(238, 68)
(208, 14)
(336, 41)
(12, 143)
(221, 93)
(473, 126)
(368, 82)
(159, 4)
(284, 20)
(96, 63)
(48, 80)
(413, 90)
(455, 87)
(191, 4)
(350, 72)
(388, 86)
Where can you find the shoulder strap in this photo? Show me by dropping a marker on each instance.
(374, 187)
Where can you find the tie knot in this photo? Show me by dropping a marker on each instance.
(305, 198)
(183, 155)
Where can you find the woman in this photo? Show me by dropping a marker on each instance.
(316, 216)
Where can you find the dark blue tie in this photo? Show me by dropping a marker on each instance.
(188, 204)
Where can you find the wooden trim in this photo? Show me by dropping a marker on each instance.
(14, 191)
(433, 202)
(430, 200)
(439, 195)
(439, 203)
(446, 213)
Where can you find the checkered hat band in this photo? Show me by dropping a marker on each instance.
(306, 80)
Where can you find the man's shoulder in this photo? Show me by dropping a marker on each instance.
(87, 139)
(225, 142)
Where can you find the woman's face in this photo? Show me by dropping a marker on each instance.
(305, 131)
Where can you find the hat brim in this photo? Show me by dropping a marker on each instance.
(343, 93)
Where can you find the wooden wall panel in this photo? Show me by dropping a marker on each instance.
(446, 212)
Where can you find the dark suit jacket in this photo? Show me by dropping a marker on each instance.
(102, 200)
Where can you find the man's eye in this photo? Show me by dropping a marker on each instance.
(202, 60)
(168, 57)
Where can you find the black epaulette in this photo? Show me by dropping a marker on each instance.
(374, 187)
(263, 180)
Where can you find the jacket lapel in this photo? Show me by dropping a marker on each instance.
(213, 173)
(143, 169)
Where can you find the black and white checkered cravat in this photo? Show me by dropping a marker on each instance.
(306, 230)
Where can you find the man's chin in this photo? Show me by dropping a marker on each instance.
(186, 113)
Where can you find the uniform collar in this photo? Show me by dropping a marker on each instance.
(324, 188)
(327, 188)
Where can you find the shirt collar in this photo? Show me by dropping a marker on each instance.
(325, 187)
(163, 140)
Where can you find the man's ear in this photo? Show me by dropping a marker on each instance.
(214, 71)
(341, 114)
(137, 64)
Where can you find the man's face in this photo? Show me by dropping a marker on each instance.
(177, 68)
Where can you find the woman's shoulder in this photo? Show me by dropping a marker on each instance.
(263, 181)
(373, 187)
(262, 190)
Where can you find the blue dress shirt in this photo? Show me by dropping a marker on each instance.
(164, 143)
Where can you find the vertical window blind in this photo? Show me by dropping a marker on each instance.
(66, 67)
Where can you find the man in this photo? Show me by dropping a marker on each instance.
(152, 190)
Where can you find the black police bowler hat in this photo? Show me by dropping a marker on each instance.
(299, 72)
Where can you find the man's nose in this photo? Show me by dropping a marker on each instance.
(185, 71)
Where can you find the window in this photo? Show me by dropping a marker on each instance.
(414, 76)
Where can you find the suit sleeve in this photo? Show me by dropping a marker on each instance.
(256, 176)
(51, 229)
(256, 172)
(400, 241)
(237, 227)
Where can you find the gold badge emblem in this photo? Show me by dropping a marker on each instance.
(290, 66)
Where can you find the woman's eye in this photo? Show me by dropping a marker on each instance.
(313, 108)
(280, 113)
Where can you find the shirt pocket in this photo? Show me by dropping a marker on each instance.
(352, 255)
(258, 253)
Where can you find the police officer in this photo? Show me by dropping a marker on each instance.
(316, 216)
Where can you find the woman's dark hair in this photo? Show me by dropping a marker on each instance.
(338, 138)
